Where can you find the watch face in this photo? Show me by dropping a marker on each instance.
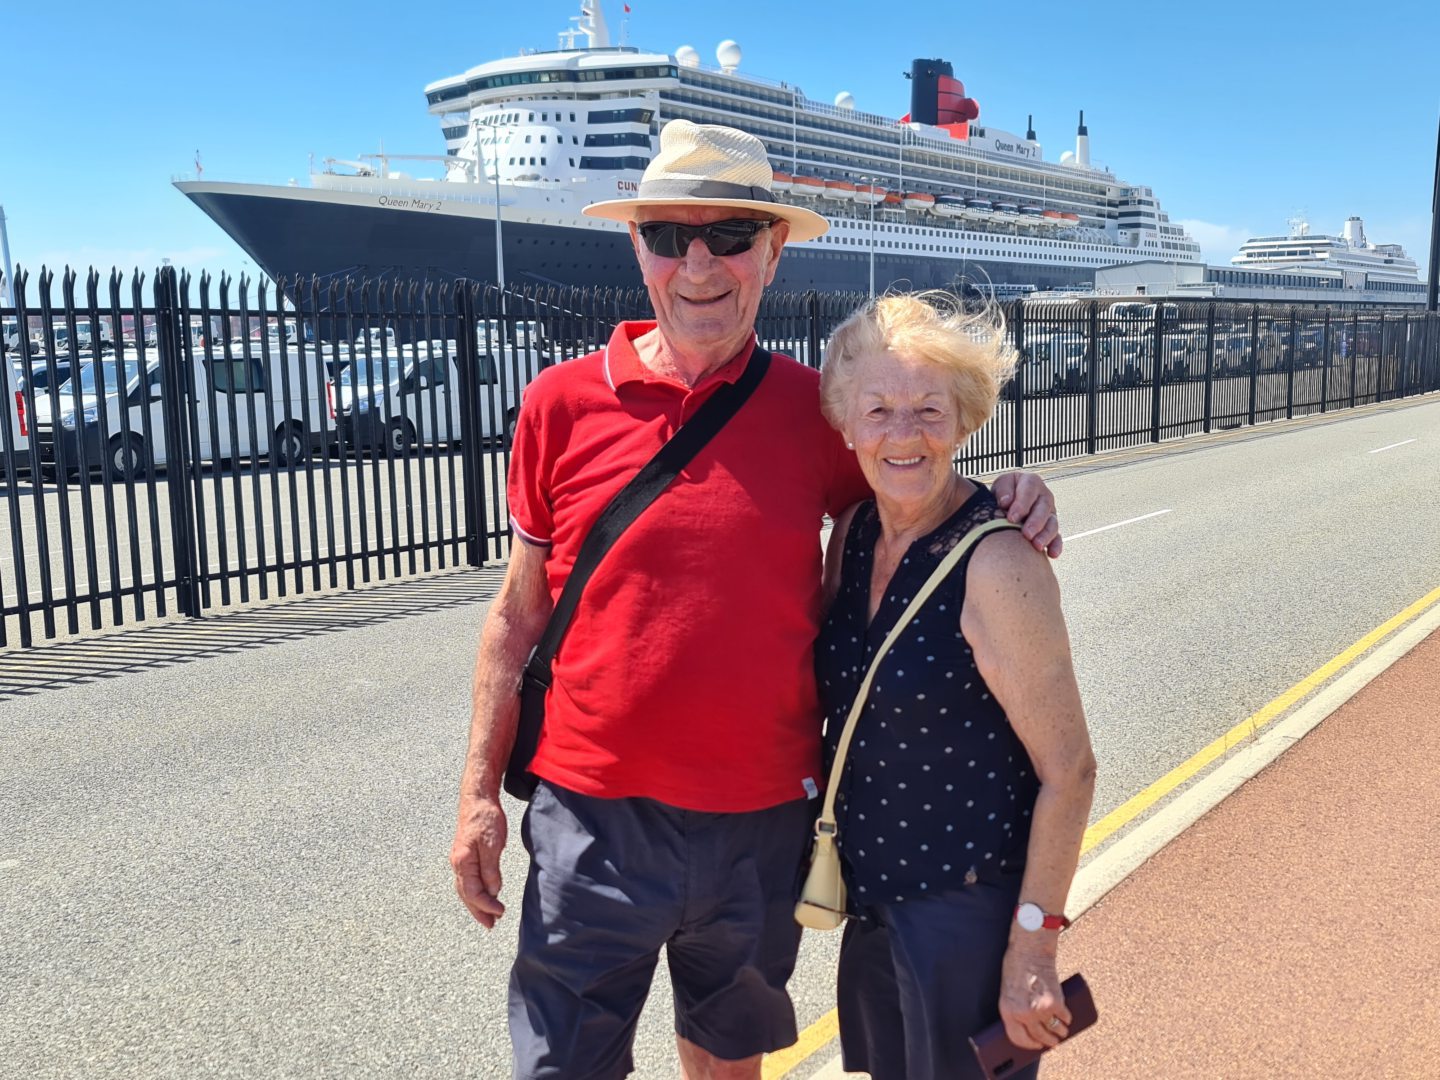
(1030, 917)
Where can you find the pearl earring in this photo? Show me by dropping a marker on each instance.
(849, 446)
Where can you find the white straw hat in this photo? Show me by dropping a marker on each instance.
(710, 165)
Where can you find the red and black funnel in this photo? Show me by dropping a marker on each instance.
(937, 97)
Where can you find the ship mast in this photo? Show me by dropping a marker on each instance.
(589, 24)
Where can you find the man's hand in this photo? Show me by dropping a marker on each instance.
(475, 857)
(512, 627)
(1025, 498)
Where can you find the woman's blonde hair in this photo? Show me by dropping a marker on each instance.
(932, 327)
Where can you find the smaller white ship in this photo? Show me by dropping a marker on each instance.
(1350, 253)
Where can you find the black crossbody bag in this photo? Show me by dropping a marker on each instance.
(623, 509)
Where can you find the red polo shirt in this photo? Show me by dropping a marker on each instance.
(687, 673)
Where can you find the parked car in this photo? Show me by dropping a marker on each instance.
(45, 373)
(1122, 362)
(119, 422)
(411, 395)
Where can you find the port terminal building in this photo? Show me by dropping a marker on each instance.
(1188, 280)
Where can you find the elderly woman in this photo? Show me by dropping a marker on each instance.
(970, 774)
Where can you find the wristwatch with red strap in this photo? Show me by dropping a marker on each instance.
(1031, 917)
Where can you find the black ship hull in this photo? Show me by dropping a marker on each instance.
(294, 237)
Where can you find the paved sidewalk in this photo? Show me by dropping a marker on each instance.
(1294, 931)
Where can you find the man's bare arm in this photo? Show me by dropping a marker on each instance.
(513, 626)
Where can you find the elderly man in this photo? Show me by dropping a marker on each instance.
(681, 745)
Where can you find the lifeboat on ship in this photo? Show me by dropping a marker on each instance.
(1054, 218)
(1031, 215)
(1006, 211)
(806, 187)
(869, 194)
(950, 206)
(978, 209)
(892, 200)
(780, 181)
(843, 190)
(1071, 220)
(918, 200)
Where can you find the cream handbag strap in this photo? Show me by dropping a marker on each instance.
(837, 770)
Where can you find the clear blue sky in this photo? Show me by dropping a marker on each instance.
(1237, 114)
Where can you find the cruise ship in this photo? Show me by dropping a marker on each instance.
(1350, 254)
(1301, 268)
(935, 198)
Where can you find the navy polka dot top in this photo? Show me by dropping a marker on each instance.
(938, 790)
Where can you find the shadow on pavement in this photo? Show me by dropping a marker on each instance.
(30, 671)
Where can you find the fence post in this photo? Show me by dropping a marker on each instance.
(1254, 359)
(1092, 387)
(1325, 359)
(1432, 364)
(26, 398)
(467, 363)
(1017, 326)
(1354, 353)
(1292, 358)
(1423, 382)
(1209, 366)
(1157, 371)
(1381, 364)
(1414, 334)
(174, 412)
(812, 330)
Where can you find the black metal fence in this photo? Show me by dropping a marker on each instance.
(193, 444)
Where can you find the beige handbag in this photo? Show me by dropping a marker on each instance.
(822, 900)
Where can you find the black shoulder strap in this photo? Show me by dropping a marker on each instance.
(634, 497)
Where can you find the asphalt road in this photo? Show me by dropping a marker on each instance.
(225, 843)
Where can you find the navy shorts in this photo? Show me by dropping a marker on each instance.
(613, 880)
(919, 977)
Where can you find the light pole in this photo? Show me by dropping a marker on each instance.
(9, 290)
(1432, 288)
(499, 226)
(499, 238)
(871, 183)
(872, 242)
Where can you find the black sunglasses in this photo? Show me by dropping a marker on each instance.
(671, 240)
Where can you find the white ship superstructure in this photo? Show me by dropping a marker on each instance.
(934, 198)
(1350, 254)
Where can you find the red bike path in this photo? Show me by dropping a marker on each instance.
(1293, 931)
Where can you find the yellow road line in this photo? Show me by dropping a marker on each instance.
(818, 1034)
(1122, 815)
(812, 1039)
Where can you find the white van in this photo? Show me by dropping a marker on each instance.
(1127, 315)
(132, 400)
(1169, 314)
(14, 416)
(411, 396)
